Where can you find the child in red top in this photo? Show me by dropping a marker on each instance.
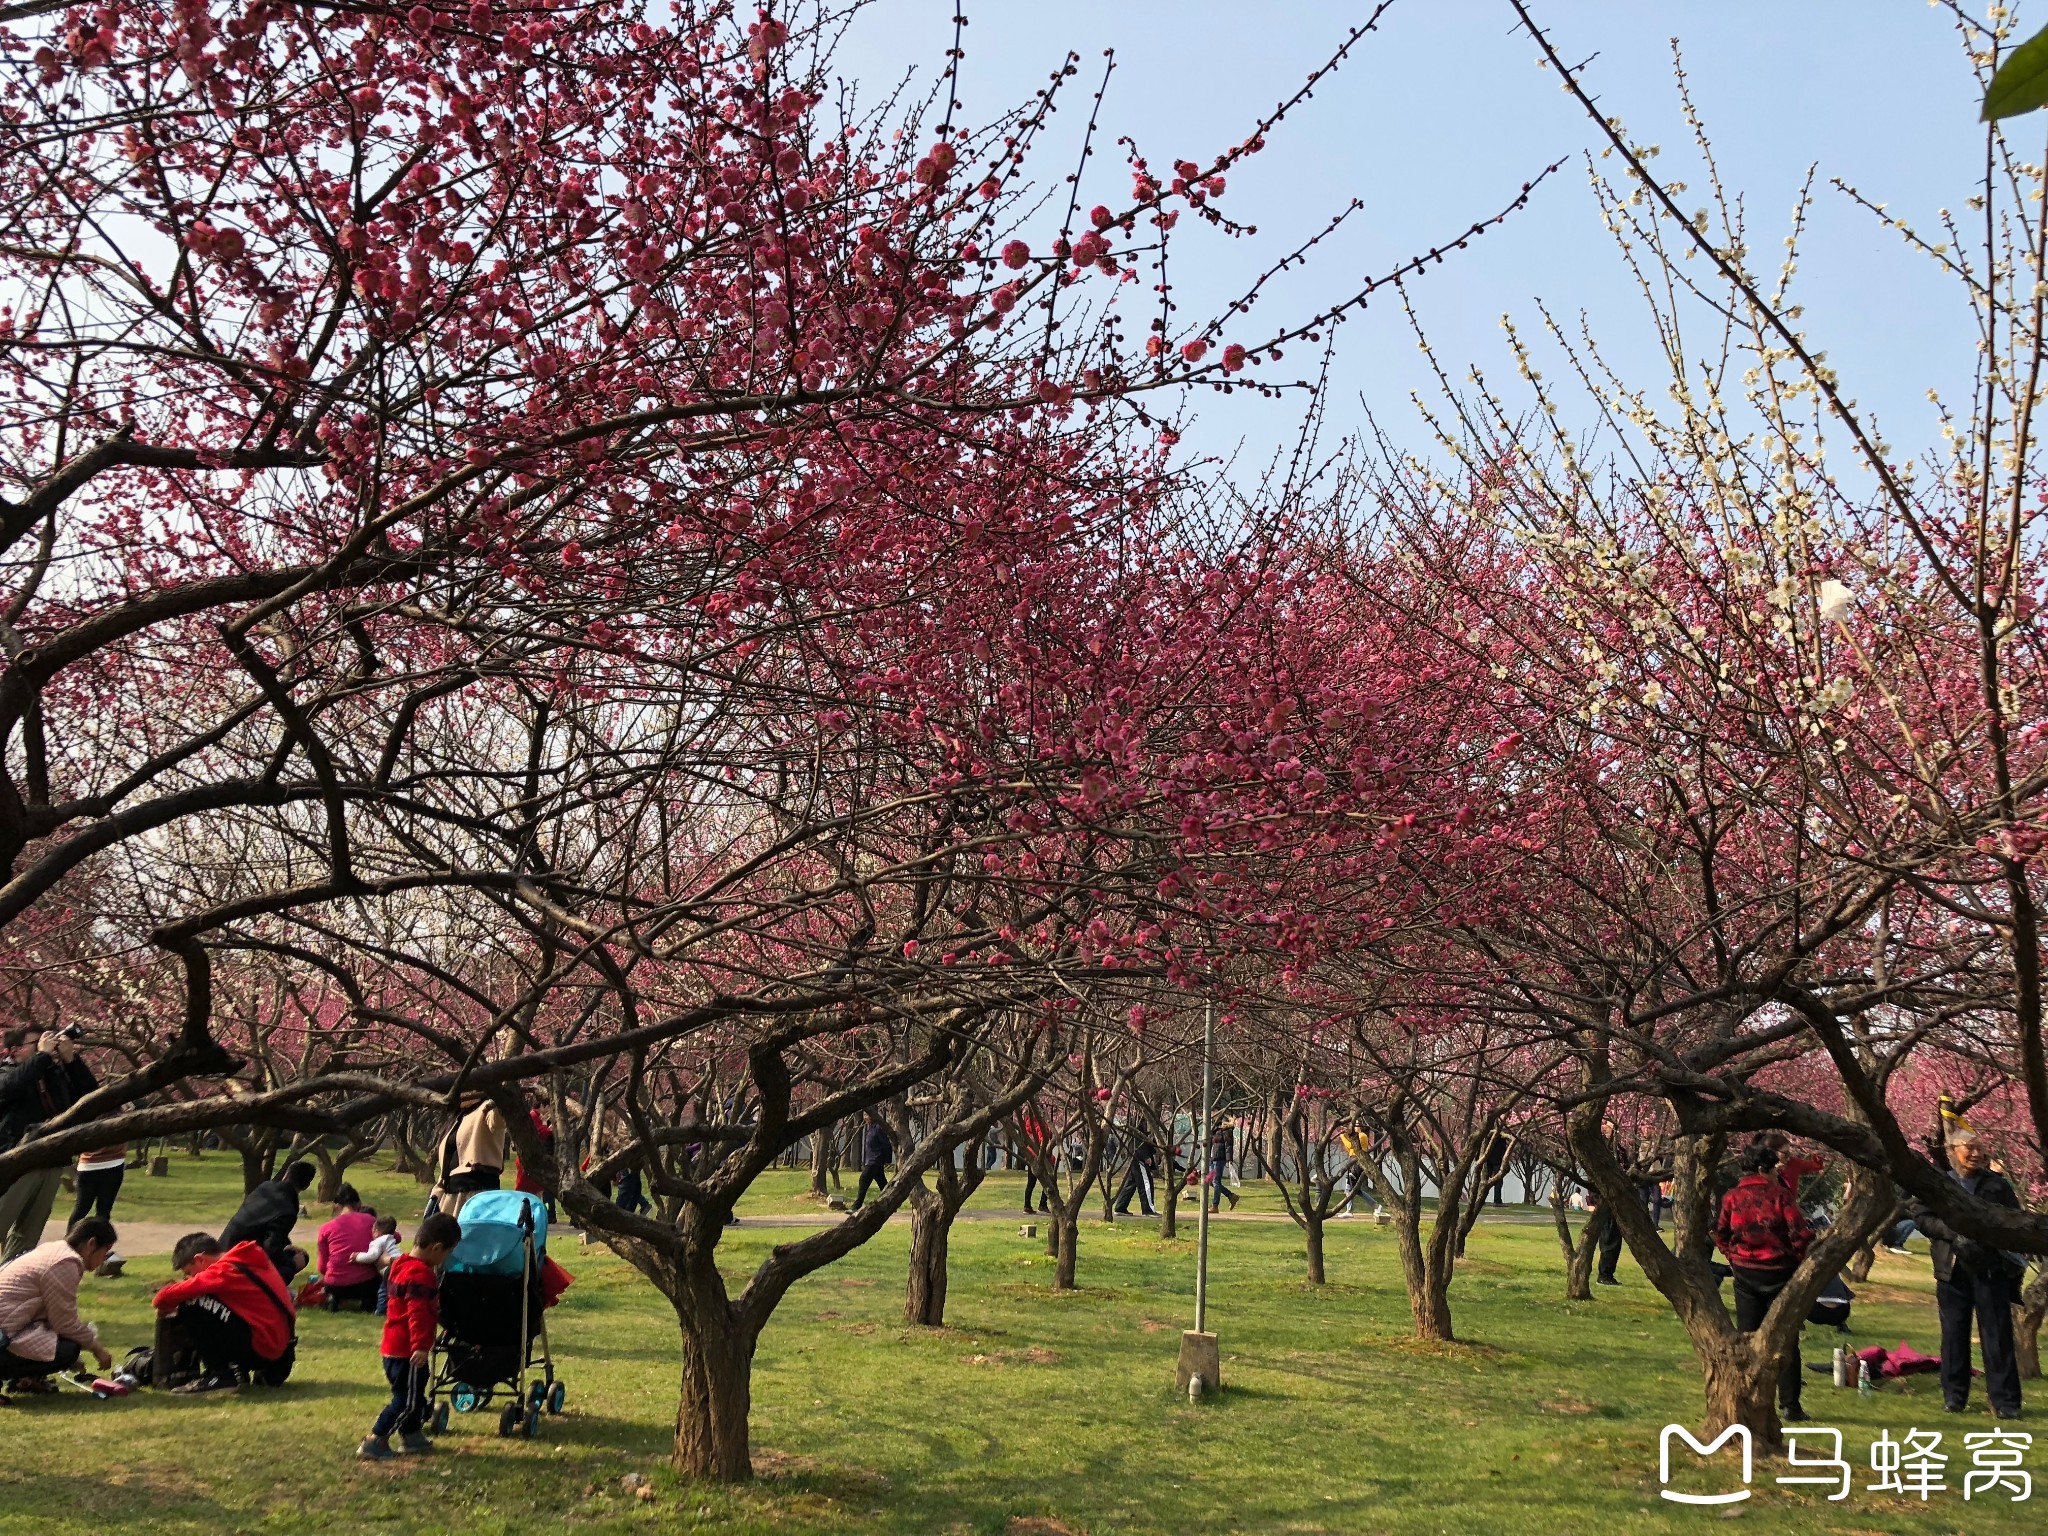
(413, 1315)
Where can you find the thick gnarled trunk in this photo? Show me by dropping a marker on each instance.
(1741, 1369)
(1741, 1387)
(717, 1396)
(933, 1208)
(931, 1230)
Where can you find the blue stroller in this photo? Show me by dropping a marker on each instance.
(494, 1331)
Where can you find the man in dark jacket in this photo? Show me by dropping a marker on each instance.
(267, 1216)
(1974, 1280)
(875, 1151)
(1138, 1176)
(42, 1080)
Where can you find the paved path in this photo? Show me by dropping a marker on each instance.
(158, 1237)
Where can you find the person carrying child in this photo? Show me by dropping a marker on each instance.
(413, 1316)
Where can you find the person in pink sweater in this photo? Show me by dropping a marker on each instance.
(348, 1282)
(39, 1319)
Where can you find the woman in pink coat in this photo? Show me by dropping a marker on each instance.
(348, 1234)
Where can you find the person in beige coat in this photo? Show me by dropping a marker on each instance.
(40, 1330)
(472, 1155)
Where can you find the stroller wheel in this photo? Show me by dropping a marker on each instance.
(466, 1399)
(510, 1420)
(537, 1395)
(440, 1418)
(556, 1394)
(533, 1425)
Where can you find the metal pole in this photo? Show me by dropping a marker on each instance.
(1201, 1180)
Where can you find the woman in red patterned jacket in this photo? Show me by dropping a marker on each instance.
(1763, 1234)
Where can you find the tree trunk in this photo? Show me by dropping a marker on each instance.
(819, 1159)
(1429, 1322)
(1578, 1253)
(1433, 1307)
(711, 1418)
(1578, 1274)
(1741, 1389)
(2026, 1325)
(1312, 1229)
(932, 1209)
(1069, 1229)
(931, 1228)
(255, 1167)
(1858, 1268)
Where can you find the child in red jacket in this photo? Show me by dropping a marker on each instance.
(412, 1316)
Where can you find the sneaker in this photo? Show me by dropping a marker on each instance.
(1606, 1280)
(1792, 1415)
(33, 1386)
(1904, 1253)
(374, 1449)
(415, 1443)
(210, 1383)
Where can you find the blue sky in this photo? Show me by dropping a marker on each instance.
(1437, 120)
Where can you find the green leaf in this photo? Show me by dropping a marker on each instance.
(2021, 83)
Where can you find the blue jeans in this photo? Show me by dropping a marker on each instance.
(407, 1410)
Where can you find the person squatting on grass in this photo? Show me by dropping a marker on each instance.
(414, 1312)
(267, 1216)
(233, 1310)
(41, 1332)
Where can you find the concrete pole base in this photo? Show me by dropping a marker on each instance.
(1199, 1356)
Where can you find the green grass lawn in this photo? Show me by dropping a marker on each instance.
(1033, 1413)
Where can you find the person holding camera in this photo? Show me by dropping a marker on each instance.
(43, 1080)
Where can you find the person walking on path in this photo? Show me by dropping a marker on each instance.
(1763, 1234)
(410, 1323)
(266, 1218)
(1974, 1282)
(876, 1150)
(1222, 1145)
(1138, 1176)
(39, 1309)
(1037, 1154)
(44, 1079)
